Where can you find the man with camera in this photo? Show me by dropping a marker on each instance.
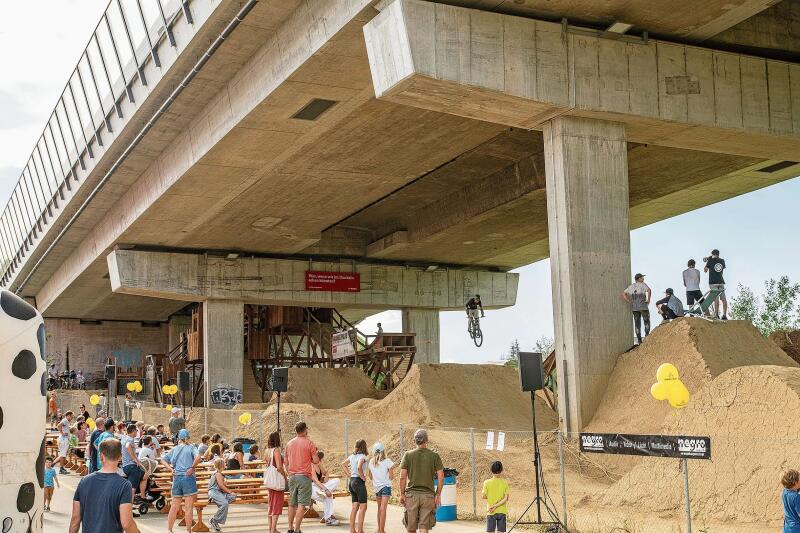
(714, 266)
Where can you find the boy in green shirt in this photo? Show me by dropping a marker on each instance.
(495, 492)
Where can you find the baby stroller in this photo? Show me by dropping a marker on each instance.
(157, 499)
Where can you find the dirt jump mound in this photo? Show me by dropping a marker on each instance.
(748, 413)
(788, 341)
(701, 350)
(328, 388)
(454, 395)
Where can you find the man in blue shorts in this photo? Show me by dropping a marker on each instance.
(182, 460)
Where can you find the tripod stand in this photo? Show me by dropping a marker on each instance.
(537, 500)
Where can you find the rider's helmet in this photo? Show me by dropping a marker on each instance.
(477, 296)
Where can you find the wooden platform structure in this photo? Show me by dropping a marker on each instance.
(278, 336)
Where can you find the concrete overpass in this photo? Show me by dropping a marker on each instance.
(471, 137)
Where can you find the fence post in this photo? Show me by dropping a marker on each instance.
(686, 494)
(346, 437)
(402, 443)
(473, 473)
(561, 468)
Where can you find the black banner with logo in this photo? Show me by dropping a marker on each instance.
(680, 446)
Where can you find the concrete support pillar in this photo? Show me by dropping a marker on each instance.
(223, 346)
(589, 232)
(424, 323)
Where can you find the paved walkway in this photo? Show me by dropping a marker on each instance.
(243, 518)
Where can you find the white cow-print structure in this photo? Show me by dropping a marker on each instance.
(22, 415)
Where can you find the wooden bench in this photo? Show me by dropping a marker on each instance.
(249, 490)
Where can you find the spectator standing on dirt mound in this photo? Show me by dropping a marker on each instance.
(791, 501)
(176, 423)
(301, 453)
(691, 280)
(417, 492)
(638, 296)
(714, 266)
(669, 307)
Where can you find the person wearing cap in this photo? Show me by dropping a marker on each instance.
(714, 266)
(669, 307)
(418, 469)
(182, 460)
(638, 296)
(381, 470)
(108, 426)
(176, 423)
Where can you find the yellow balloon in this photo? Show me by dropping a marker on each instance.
(139, 387)
(168, 407)
(245, 418)
(678, 395)
(131, 386)
(91, 423)
(667, 372)
(165, 389)
(173, 389)
(94, 399)
(659, 391)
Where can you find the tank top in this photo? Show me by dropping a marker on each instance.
(212, 482)
(320, 475)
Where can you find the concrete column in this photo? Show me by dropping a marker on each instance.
(223, 345)
(587, 213)
(425, 324)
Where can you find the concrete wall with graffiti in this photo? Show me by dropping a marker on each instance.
(90, 345)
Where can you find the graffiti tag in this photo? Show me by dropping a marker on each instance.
(226, 397)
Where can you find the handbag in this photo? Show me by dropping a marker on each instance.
(273, 479)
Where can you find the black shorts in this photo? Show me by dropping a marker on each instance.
(496, 522)
(358, 490)
(667, 313)
(693, 296)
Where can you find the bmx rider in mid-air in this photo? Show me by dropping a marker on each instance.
(472, 305)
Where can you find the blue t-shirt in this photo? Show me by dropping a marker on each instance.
(126, 457)
(181, 457)
(49, 476)
(103, 436)
(100, 496)
(791, 511)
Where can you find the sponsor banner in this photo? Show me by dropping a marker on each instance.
(333, 281)
(342, 345)
(678, 446)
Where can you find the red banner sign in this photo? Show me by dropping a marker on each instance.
(333, 281)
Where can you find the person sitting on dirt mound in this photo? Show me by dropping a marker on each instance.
(670, 306)
(791, 501)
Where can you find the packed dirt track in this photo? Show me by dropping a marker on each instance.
(744, 392)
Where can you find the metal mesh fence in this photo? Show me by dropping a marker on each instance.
(740, 484)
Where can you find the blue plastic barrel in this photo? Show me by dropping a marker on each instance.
(447, 511)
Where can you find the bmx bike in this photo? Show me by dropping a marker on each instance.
(474, 329)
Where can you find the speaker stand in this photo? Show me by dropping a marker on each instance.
(537, 500)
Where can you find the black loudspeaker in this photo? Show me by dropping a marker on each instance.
(111, 372)
(280, 379)
(530, 371)
(183, 381)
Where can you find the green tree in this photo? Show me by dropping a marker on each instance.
(776, 309)
(543, 345)
(512, 357)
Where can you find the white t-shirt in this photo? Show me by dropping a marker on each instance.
(380, 474)
(354, 460)
(147, 453)
(691, 278)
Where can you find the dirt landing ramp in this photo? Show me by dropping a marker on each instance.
(701, 350)
(453, 395)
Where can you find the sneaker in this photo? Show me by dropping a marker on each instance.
(147, 497)
(213, 523)
(63, 471)
(136, 514)
(724, 317)
(331, 522)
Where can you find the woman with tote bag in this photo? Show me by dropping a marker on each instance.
(274, 479)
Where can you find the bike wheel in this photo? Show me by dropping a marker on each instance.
(478, 338)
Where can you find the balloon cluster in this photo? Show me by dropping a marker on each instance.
(670, 387)
(135, 386)
(169, 389)
(245, 418)
(91, 423)
(94, 399)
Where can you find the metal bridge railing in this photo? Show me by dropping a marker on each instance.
(125, 39)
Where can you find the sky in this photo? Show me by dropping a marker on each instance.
(757, 233)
